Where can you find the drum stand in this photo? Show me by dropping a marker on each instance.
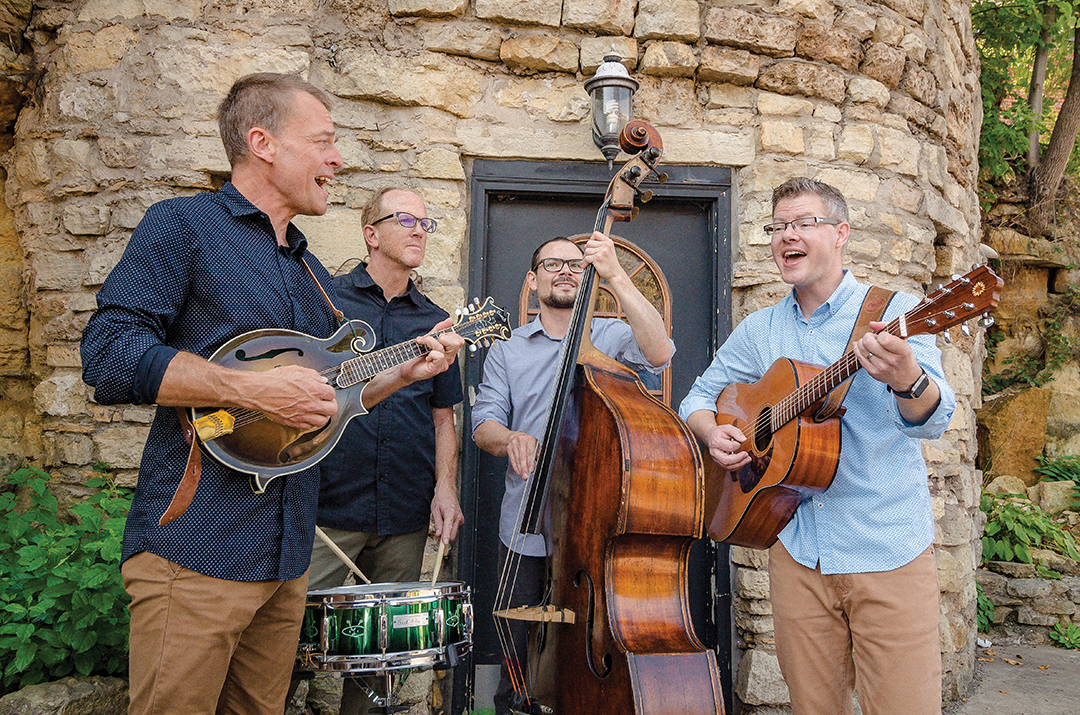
(382, 688)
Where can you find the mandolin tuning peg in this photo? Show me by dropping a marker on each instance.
(965, 330)
(459, 311)
(472, 348)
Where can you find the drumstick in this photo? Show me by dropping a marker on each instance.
(341, 554)
(438, 561)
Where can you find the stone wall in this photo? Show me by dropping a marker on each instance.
(877, 98)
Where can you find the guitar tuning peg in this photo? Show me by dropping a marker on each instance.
(948, 337)
(986, 321)
(965, 330)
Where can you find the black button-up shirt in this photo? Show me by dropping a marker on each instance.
(380, 478)
(198, 271)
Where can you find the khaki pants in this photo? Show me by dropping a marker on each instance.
(202, 645)
(874, 631)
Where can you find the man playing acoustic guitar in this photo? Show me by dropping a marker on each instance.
(218, 586)
(853, 578)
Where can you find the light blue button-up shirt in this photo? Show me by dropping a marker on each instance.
(876, 515)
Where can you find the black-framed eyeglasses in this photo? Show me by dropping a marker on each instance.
(554, 265)
(407, 220)
(806, 224)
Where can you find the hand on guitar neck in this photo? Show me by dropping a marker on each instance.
(889, 359)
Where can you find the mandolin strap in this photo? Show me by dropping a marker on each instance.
(333, 308)
(873, 307)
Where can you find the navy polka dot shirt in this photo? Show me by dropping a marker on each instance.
(198, 271)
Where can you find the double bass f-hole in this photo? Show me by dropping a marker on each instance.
(590, 623)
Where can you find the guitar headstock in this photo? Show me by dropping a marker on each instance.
(964, 298)
(482, 324)
(641, 139)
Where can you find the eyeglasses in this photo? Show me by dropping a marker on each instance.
(407, 220)
(554, 265)
(802, 225)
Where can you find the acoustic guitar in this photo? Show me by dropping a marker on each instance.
(793, 455)
(245, 440)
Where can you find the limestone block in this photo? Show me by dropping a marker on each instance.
(196, 153)
(915, 46)
(761, 34)
(914, 111)
(856, 143)
(819, 42)
(769, 103)
(668, 20)
(32, 165)
(920, 84)
(861, 89)
(1028, 587)
(86, 102)
(442, 259)
(335, 237)
(438, 164)
(463, 38)
(119, 152)
(603, 17)
(1012, 432)
(759, 681)
(722, 64)
(428, 80)
(913, 9)
(70, 156)
(93, 694)
(821, 10)
(559, 98)
(781, 137)
(822, 144)
(745, 556)
(526, 142)
(947, 218)
(899, 151)
(1063, 279)
(59, 271)
(752, 583)
(668, 102)
(1063, 416)
(595, 49)
(428, 8)
(201, 68)
(854, 185)
(74, 448)
(669, 59)
(767, 174)
(86, 219)
(102, 10)
(61, 394)
(173, 9)
(709, 147)
(883, 63)
(520, 12)
(906, 197)
(1054, 605)
(539, 53)
(860, 24)
(803, 78)
(728, 95)
(1053, 497)
(94, 51)
(120, 446)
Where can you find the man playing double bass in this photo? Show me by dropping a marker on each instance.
(511, 407)
(853, 578)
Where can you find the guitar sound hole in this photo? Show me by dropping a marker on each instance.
(762, 433)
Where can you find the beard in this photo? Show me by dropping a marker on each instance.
(558, 302)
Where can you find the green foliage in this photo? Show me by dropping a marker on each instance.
(1058, 349)
(1007, 35)
(63, 608)
(1014, 526)
(1067, 637)
(1062, 469)
(984, 609)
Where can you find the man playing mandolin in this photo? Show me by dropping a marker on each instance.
(511, 407)
(853, 578)
(218, 587)
(396, 466)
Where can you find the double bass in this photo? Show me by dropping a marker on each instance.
(618, 493)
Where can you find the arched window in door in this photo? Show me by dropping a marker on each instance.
(649, 279)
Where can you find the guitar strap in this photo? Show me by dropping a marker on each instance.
(873, 307)
(185, 491)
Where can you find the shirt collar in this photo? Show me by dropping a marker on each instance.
(361, 279)
(238, 205)
(847, 286)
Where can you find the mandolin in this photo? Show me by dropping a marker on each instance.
(245, 440)
(794, 453)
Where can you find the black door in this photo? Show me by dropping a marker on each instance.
(517, 205)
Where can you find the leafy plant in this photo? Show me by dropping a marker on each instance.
(1014, 526)
(1067, 637)
(63, 608)
(1062, 469)
(984, 611)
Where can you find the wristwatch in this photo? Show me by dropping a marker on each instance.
(913, 392)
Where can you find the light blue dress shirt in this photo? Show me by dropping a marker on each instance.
(516, 393)
(876, 515)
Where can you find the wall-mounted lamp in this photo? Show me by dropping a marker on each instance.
(612, 89)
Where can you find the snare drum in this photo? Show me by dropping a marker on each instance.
(385, 626)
